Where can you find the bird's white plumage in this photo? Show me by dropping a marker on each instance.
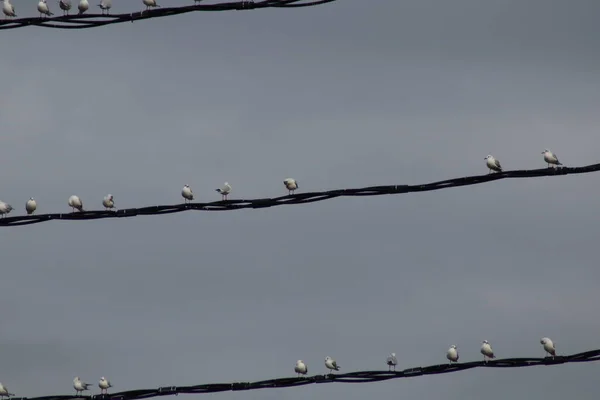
(331, 364)
(290, 184)
(42, 7)
(8, 9)
(486, 350)
(30, 205)
(548, 345)
(492, 163)
(224, 190)
(4, 391)
(104, 384)
(75, 203)
(83, 6)
(150, 3)
(187, 193)
(108, 201)
(301, 367)
(391, 361)
(105, 5)
(452, 353)
(5, 208)
(79, 385)
(550, 157)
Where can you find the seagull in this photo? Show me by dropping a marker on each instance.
(105, 5)
(187, 194)
(150, 3)
(452, 354)
(392, 361)
(331, 364)
(8, 9)
(43, 8)
(65, 5)
(550, 158)
(75, 203)
(108, 201)
(30, 206)
(104, 384)
(493, 164)
(548, 346)
(300, 368)
(225, 190)
(4, 391)
(5, 208)
(79, 385)
(290, 184)
(83, 6)
(487, 351)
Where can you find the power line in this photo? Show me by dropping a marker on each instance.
(351, 377)
(77, 21)
(298, 198)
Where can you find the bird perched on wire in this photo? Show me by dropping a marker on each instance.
(108, 202)
(225, 190)
(290, 184)
(65, 5)
(187, 194)
(486, 350)
(452, 354)
(30, 206)
(548, 346)
(331, 364)
(392, 361)
(79, 385)
(301, 368)
(75, 203)
(104, 384)
(42, 7)
(83, 6)
(150, 3)
(493, 164)
(105, 6)
(550, 158)
(5, 208)
(8, 9)
(4, 391)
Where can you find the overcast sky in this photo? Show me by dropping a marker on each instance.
(350, 94)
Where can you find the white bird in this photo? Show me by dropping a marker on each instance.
(331, 364)
(30, 206)
(452, 354)
(392, 361)
(105, 5)
(493, 164)
(150, 3)
(5, 208)
(225, 190)
(550, 158)
(83, 6)
(79, 385)
(65, 5)
(290, 184)
(75, 203)
(187, 193)
(486, 350)
(548, 346)
(108, 201)
(104, 384)
(301, 368)
(42, 7)
(8, 9)
(4, 391)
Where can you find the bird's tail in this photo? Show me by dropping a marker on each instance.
(10, 394)
(337, 367)
(493, 355)
(50, 13)
(218, 190)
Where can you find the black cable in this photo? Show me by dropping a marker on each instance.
(351, 377)
(299, 198)
(76, 21)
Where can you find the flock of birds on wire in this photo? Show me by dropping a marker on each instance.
(65, 5)
(330, 363)
(291, 185)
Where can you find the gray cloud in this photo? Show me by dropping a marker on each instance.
(344, 95)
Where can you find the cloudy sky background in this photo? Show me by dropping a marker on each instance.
(350, 94)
